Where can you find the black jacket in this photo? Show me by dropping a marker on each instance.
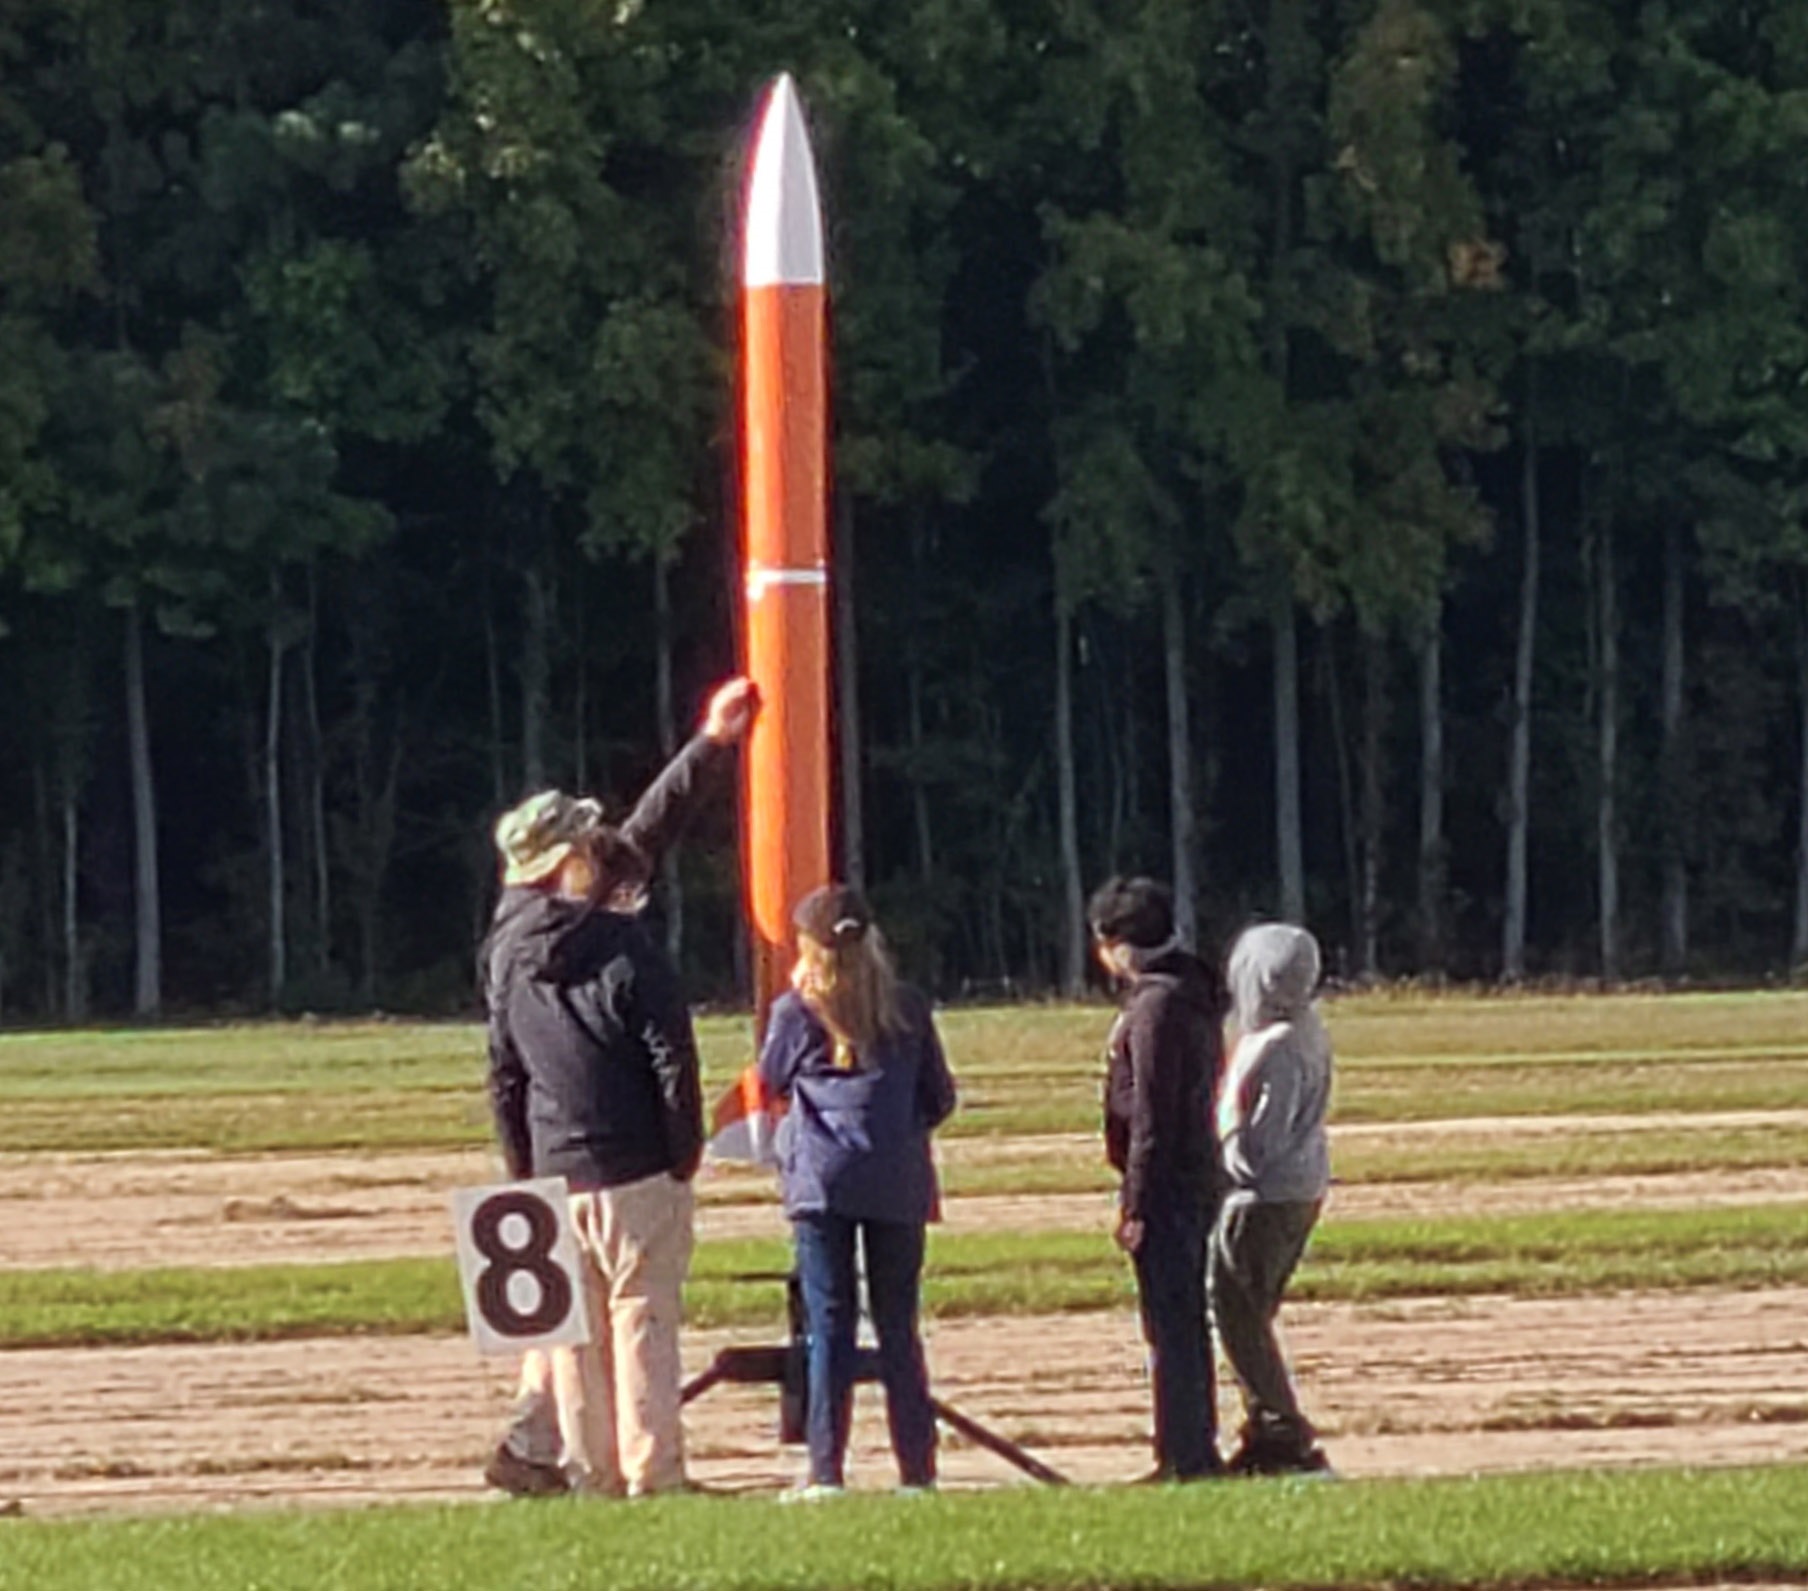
(1161, 1071)
(593, 1065)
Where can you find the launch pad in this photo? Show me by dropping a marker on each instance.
(786, 1366)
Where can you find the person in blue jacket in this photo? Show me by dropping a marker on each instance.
(856, 1055)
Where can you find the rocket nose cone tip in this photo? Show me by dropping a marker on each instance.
(784, 218)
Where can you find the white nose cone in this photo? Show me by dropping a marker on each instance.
(784, 217)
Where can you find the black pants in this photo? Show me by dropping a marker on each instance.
(1170, 1286)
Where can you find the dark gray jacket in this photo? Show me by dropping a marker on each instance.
(593, 1064)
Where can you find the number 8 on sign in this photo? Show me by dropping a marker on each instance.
(519, 1265)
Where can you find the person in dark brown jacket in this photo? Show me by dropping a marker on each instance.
(1162, 1063)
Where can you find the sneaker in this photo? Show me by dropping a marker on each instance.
(1258, 1459)
(507, 1471)
(811, 1492)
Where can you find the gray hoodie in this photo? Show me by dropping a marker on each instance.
(1277, 1087)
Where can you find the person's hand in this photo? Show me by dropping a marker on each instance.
(1129, 1234)
(731, 712)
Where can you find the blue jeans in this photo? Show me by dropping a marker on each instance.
(1170, 1286)
(894, 1271)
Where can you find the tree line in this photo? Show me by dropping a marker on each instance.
(1346, 456)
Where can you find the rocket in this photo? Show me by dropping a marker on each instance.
(785, 562)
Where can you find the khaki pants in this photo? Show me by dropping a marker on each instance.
(619, 1398)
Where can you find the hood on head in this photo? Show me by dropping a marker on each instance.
(1273, 975)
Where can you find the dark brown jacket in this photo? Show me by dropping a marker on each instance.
(1162, 1065)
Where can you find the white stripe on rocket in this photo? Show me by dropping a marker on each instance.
(762, 577)
(784, 218)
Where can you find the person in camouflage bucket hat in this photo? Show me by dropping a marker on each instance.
(593, 1077)
(535, 837)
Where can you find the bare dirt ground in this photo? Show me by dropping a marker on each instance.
(1420, 1387)
(132, 1210)
(1430, 1387)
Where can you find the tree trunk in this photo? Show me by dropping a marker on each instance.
(921, 826)
(1373, 815)
(147, 999)
(1676, 772)
(45, 859)
(1331, 683)
(316, 788)
(1519, 758)
(536, 673)
(374, 766)
(1180, 761)
(847, 697)
(1799, 946)
(1289, 847)
(1073, 924)
(1431, 800)
(1117, 738)
(273, 820)
(919, 790)
(1606, 803)
(666, 713)
(1208, 770)
(492, 657)
(580, 682)
(377, 821)
(75, 983)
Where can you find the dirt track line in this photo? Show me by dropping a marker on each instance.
(1424, 1387)
(206, 1211)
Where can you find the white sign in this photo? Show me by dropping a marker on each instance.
(519, 1265)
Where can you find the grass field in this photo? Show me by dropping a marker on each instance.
(1596, 1530)
(969, 1274)
(1448, 1092)
(1024, 1071)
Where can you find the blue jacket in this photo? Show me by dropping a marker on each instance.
(856, 1142)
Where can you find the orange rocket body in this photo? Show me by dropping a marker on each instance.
(785, 555)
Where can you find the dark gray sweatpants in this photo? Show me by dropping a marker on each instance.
(1254, 1250)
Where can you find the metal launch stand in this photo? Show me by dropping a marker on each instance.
(785, 1366)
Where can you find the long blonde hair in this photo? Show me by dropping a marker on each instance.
(852, 987)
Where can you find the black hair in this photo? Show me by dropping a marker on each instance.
(1132, 911)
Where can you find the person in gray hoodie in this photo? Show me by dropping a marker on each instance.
(1271, 1129)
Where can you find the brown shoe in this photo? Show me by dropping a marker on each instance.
(509, 1472)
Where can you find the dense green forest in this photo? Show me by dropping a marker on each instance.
(1348, 456)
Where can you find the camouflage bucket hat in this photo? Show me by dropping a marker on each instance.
(535, 837)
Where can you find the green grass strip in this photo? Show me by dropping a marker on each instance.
(441, 1116)
(1371, 1160)
(1567, 1529)
(734, 1283)
(1027, 1069)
